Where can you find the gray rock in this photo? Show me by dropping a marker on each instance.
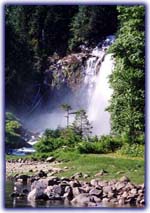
(110, 194)
(81, 200)
(102, 183)
(48, 190)
(95, 199)
(129, 186)
(107, 189)
(18, 187)
(39, 184)
(124, 179)
(77, 175)
(75, 183)
(125, 194)
(142, 202)
(113, 200)
(77, 191)
(121, 201)
(94, 182)
(66, 167)
(34, 194)
(68, 195)
(53, 181)
(105, 200)
(96, 192)
(57, 189)
(119, 185)
(50, 159)
(133, 191)
(24, 178)
(86, 176)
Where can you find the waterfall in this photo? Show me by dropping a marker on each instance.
(99, 67)
(93, 94)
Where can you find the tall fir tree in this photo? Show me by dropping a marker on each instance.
(128, 78)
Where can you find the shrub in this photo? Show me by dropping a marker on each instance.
(86, 147)
(44, 145)
(53, 133)
(110, 143)
(140, 139)
(105, 144)
(13, 136)
(134, 150)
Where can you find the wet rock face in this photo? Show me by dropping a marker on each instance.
(77, 193)
(68, 70)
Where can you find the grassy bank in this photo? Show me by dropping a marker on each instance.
(115, 166)
(91, 164)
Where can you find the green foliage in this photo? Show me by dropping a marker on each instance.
(32, 34)
(110, 143)
(52, 133)
(81, 124)
(128, 78)
(13, 127)
(134, 150)
(70, 136)
(140, 139)
(91, 23)
(19, 71)
(106, 144)
(45, 145)
(35, 32)
(56, 139)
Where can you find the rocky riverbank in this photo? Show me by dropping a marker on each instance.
(45, 185)
(24, 166)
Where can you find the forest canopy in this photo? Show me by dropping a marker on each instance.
(35, 32)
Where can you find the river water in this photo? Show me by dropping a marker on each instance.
(22, 202)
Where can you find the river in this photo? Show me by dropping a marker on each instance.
(22, 202)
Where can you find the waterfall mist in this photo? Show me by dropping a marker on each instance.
(93, 96)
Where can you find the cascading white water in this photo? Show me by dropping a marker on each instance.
(93, 95)
(99, 67)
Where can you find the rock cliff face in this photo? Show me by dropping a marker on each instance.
(71, 71)
(68, 70)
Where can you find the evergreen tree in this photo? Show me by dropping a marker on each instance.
(67, 109)
(127, 80)
(81, 124)
(92, 23)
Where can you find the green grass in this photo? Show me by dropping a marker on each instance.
(91, 164)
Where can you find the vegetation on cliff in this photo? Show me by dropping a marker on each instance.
(36, 35)
(36, 32)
